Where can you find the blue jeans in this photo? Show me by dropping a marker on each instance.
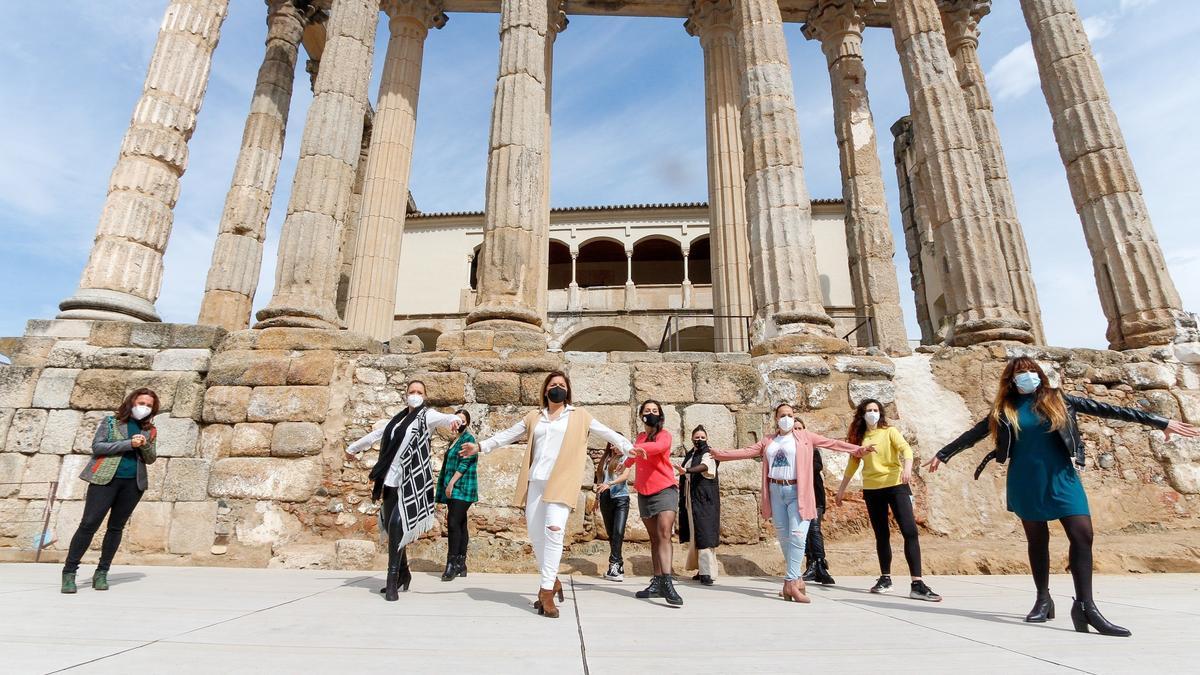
(790, 528)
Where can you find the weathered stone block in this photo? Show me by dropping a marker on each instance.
(302, 557)
(6, 418)
(717, 420)
(316, 338)
(801, 343)
(287, 480)
(1189, 405)
(215, 441)
(498, 388)
(12, 471)
(802, 366)
(60, 328)
(150, 335)
(192, 525)
(531, 388)
(195, 336)
(58, 436)
(32, 351)
(530, 362)
(148, 527)
(226, 404)
(127, 358)
(312, 367)
(370, 376)
(251, 439)
(405, 344)
(25, 431)
(865, 365)
(666, 382)
(162, 383)
(17, 386)
(740, 476)
(688, 357)
(819, 395)
(192, 360)
(619, 418)
(586, 357)
(189, 397)
(54, 388)
(66, 521)
(40, 471)
(110, 334)
(249, 367)
(186, 480)
(87, 431)
(1149, 375)
(880, 390)
(99, 390)
(523, 341)
(726, 383)
(477, 340)
(297, 439)
(739, 519)
(177, 436)
(354, 554)
(443, 388)
(69, 484)
(783, 391)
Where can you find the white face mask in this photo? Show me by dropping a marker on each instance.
(786, 424)
(140, 412)
(415, 400)
(1027, 382)
(872, 417)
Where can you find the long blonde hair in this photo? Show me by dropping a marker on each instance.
(610, 461)
(1048, 401)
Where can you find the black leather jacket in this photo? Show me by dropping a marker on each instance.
(1071, 440)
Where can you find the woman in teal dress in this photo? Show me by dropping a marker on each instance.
(1036, 426)
(458, 488)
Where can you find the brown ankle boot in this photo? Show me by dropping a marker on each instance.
(546, 603)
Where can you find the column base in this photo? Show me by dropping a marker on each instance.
(284, 316)
(504, 318)
(103, 304)
(975, 331)
(1152, 328)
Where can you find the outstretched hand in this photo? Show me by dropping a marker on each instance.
(468, 449)
(1180, 429)
(933, 464)
(837, 499)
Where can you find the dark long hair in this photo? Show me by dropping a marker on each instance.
(610, 461)
(858, 426)
(466, 427)
(125, 412)
(661, 417)
(1048, 401)
(546, 383)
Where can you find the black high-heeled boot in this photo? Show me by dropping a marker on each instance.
(1084, 613)
(451, 568)
(393, 582)
(1043, 608)
(462, 566)
(810, 572)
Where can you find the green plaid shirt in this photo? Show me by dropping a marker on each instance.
(467, 487)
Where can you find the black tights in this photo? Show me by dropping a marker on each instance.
(456, 526)
(1079, 533)
(116, 500)
(397, 555)
(899, 499)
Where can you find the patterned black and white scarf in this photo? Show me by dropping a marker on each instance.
(415, 489)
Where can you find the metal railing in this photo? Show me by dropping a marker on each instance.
(862, 322)
(736, 339)
(51, 496)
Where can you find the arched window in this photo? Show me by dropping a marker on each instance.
(601, 263)
(700, 262)
(559, 272)
(691, 339)
(657, 261)
(604, 339)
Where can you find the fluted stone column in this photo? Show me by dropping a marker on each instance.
(237, 254)
(372, 305)
(789, 314)
(838, 25)
(1136, 291)
(960, 18)
(557, 23)
(123, 274)
(516, 211)
(308, 263)
(978, 293)
(713, 22)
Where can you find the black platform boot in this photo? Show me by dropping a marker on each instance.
(1043, 608)
(1084, 614)
(462, 566)
(390, 591)
(651, 591)
(666, 588)
(451, 568)
(822, 573)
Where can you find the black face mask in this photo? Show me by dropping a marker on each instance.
(557, 394)
(701, 444)
(652, 420)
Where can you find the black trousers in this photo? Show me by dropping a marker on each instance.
(615, 511)
(456, 526)
(814, 547)
(898, 498)
(397, 556)
(116, 500)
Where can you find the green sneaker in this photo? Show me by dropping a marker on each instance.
(68, 582)
(100, 580)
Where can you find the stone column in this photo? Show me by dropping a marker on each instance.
(307, 269)
(960, 18)
(516, 211)
(838, 25)
(557, 23)
(573, 300)
(123, 274)
(1136, 291)
(964, 224)
(630, 289)
(237, 254)
(783, 261)
(686, 286)
(713, 22)
(372, 305)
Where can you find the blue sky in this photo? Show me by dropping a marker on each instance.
(628, 127)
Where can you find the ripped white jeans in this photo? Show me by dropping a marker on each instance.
(546, 523)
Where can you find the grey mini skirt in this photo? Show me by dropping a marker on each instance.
(659, 502)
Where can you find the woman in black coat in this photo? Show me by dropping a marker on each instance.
(700, 507)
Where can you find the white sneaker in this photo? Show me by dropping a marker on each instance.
(614, 573)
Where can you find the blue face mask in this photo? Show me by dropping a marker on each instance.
(1027, 382)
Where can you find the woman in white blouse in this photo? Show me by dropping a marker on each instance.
(548, 485)
(403, 477)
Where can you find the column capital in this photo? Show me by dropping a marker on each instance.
(556, 15)
(709, 17)
(960, 19)
(838, 25)
(429, 13)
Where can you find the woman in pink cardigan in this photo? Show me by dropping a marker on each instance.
(787, 485)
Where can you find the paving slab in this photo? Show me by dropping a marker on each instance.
(229, 620)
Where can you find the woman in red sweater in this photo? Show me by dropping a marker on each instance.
(658, 498)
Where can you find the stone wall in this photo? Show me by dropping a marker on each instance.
(252, 469)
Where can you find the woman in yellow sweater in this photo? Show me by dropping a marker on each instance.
(885, 476)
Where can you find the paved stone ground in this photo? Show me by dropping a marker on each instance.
(210, 620)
